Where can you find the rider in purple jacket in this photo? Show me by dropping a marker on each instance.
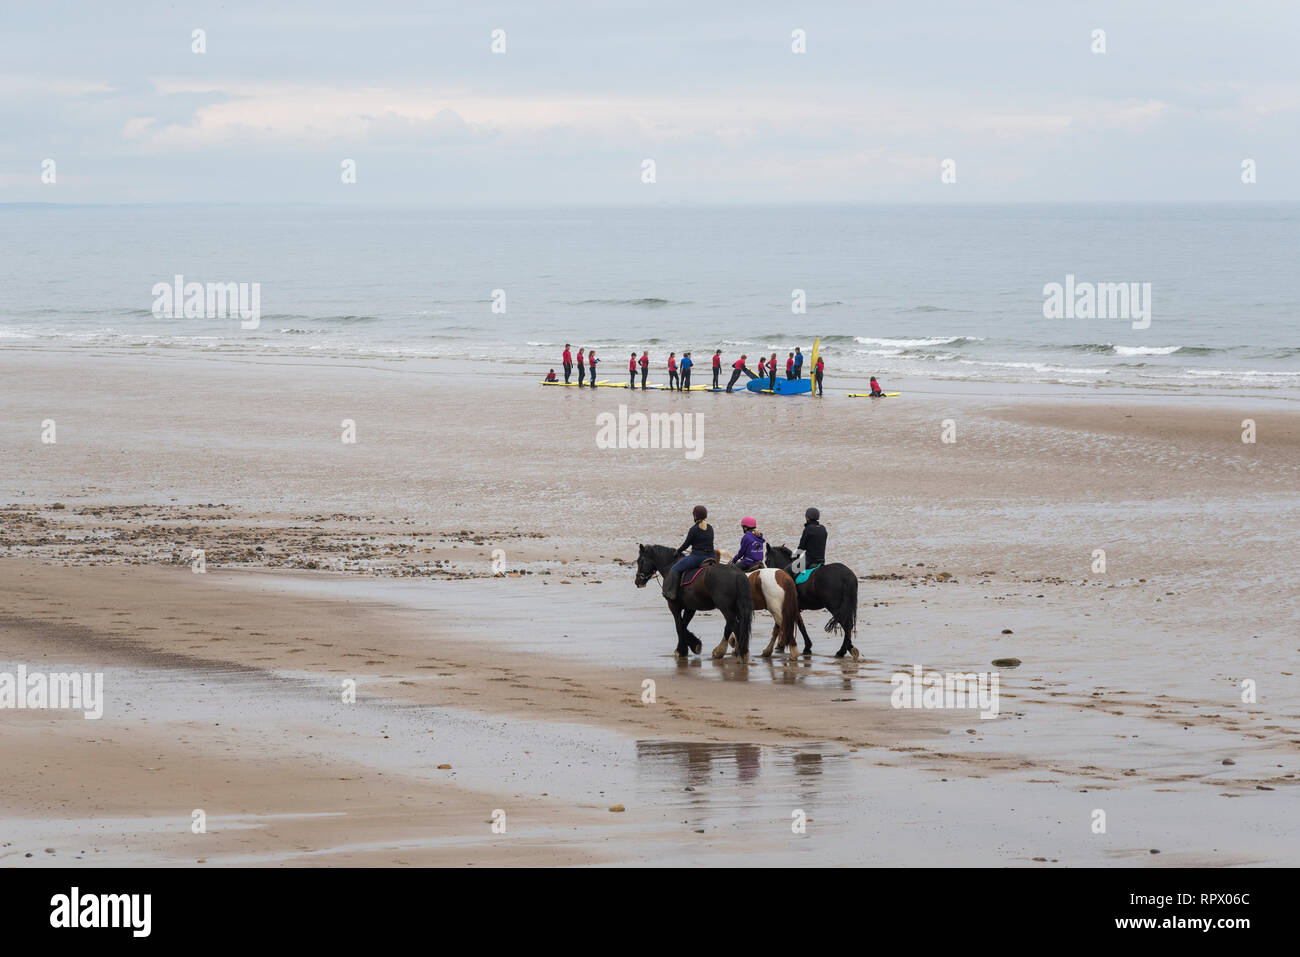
(752, 547)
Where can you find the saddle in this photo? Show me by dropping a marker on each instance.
(691, 575)
(804, 575)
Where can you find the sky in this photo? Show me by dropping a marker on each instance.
(585, 93)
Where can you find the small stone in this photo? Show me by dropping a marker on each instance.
(1229, 761)
(1007, 631)
(444, 767)
(618, 808)
(1006, 662)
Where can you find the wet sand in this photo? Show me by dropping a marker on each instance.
(375, 561)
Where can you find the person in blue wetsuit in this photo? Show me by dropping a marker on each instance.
(699, 541)
(687, 362)
(752, 547)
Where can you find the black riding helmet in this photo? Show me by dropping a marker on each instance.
(812, 515)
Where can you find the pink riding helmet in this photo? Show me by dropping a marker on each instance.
(748, 522)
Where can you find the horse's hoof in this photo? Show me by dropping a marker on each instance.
(697, 647)
(854, 653)
(840, 653)
(766, 654)
(718, 654)
(678, 655)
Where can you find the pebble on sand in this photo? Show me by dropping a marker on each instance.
(1006, 662)
(444, 767)
(618, 807)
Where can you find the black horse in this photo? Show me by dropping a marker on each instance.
(833, 587)
(721, 587)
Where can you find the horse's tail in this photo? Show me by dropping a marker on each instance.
(849, 609)
(744, 610)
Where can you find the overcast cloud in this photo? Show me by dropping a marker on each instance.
(586, 91)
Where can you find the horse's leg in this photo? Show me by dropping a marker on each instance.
(681, 617)
(692, 641)
(846, 622)
(807, 642)
(841, 615)
(721, 650)
(767, 652)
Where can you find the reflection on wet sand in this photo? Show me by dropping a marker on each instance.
(696, 765)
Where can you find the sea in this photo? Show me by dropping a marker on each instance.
(1209, 299)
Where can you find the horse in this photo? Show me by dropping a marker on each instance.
(833, 587)
(721, 587)
(773, 591)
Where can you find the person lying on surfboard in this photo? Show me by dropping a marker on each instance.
(876, 391)
(752, 549)
(700, 542)
(550, 376)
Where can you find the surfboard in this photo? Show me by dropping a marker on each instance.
(783, 386)
(544, 382)
(868, 395)
(694, 388)
(812, 362)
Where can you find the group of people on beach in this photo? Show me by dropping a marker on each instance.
(679, 373)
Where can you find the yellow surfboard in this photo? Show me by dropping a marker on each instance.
(812, 365)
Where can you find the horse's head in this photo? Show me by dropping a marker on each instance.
(645, 567)
(778, 556)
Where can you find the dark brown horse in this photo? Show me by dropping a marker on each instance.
(724, 588)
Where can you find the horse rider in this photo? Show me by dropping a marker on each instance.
(700, 542)
(812, 543)
(752, 547)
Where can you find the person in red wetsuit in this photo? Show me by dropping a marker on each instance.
(672, 370)
(568, 362)
(717, 367)
(591, 365)
(771, 373)
(550, 377)
(817, 373)
(631, 372)
(737, 368)
(876, 391)
(789, 367)
(582, 370)
(762, 368)
(645, 367)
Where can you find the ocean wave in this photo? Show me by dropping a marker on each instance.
(915, 343)
(1110, 349)
(647, 302)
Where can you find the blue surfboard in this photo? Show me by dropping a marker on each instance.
(783, 386)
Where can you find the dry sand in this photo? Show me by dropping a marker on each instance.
(373, 561)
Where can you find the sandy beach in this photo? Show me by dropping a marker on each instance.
(468, 562)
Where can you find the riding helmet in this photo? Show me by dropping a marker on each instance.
(812, 515)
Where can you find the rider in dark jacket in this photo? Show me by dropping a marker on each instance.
(813, 541)
(700, 542)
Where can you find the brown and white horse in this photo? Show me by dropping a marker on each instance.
(774, 590)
